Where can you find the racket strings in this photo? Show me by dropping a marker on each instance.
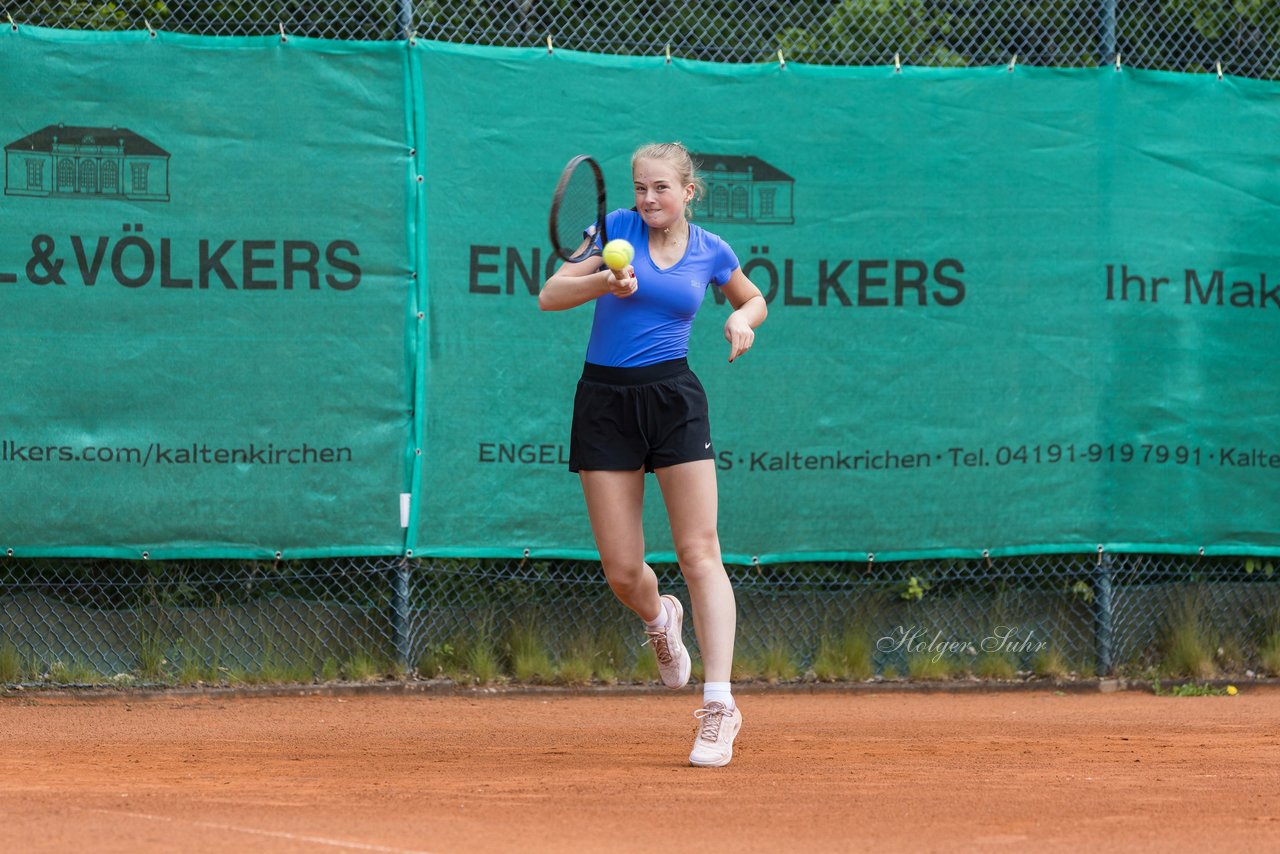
(577, 211)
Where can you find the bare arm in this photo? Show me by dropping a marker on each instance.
(574, 284)
(749, 311)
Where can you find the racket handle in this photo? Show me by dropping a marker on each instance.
(618, 255)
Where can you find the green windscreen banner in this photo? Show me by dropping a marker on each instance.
(279, 296)
(1009, 312)
(204, 282)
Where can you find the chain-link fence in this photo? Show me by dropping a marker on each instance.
(70, 621)
(82, 621)
(1241, 38)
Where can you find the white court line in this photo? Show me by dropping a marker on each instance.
(279, 834)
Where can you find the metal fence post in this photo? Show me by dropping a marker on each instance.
(404, 19)
(1108, 44)
(1102, 613)
(400, 612)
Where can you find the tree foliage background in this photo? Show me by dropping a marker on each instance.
(1240, 36)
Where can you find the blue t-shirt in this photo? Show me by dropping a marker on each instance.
(652, 325)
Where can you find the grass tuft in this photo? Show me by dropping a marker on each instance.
(1269, 654)
(1050, 663)
(924, 666)
(438, 659)
(1186, 648)
(845, 658)
(482, 661)
(778, 661)
(575, 668)
(151, 656)
(747, 666)
(645, 668)
(191, 670)
(11, 669)
(74, 672)
(362, 667)
(196, 661)
(530, 655)
(588, 656)
(275, 668)
(995, 665)
(611, 654)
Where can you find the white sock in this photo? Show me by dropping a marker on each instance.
(717, 692)
(660, 621)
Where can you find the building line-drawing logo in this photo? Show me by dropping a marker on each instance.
(744, 189)
(79, 162)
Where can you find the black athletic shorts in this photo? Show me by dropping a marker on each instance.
(627, 418)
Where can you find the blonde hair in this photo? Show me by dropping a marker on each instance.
(678, 156)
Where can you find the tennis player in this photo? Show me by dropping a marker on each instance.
(639, 408)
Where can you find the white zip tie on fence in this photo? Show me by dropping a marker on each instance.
(283, 37)
(148, 25)
(1117, 62)
(668, 53)
(1099, 554)
(549, 49)
(413, 38)
(1219, 65)
(12, 25)
(782, 63)
(1013, 62)
(897, 63)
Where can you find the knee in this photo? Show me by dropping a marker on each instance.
(699, 556)
(623, 574)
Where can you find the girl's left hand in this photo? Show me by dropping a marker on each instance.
(739, 334)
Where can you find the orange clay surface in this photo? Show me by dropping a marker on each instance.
(858, 770)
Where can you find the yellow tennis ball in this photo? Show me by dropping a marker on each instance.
(1231, 691)
(618, 254)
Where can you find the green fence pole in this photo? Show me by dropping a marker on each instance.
(400, 612)
(1102, 612)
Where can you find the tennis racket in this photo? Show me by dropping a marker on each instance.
(578, 211)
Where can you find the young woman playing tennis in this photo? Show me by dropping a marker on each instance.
(639, 408)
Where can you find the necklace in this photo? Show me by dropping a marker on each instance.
(674, 242)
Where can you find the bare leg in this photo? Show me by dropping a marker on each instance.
(615, 505)
(689, 490)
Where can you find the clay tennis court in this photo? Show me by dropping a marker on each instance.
(862, 770)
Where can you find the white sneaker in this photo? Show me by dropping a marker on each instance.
(718, 726)
(674, 664)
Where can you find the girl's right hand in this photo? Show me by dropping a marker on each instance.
(623, 284)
